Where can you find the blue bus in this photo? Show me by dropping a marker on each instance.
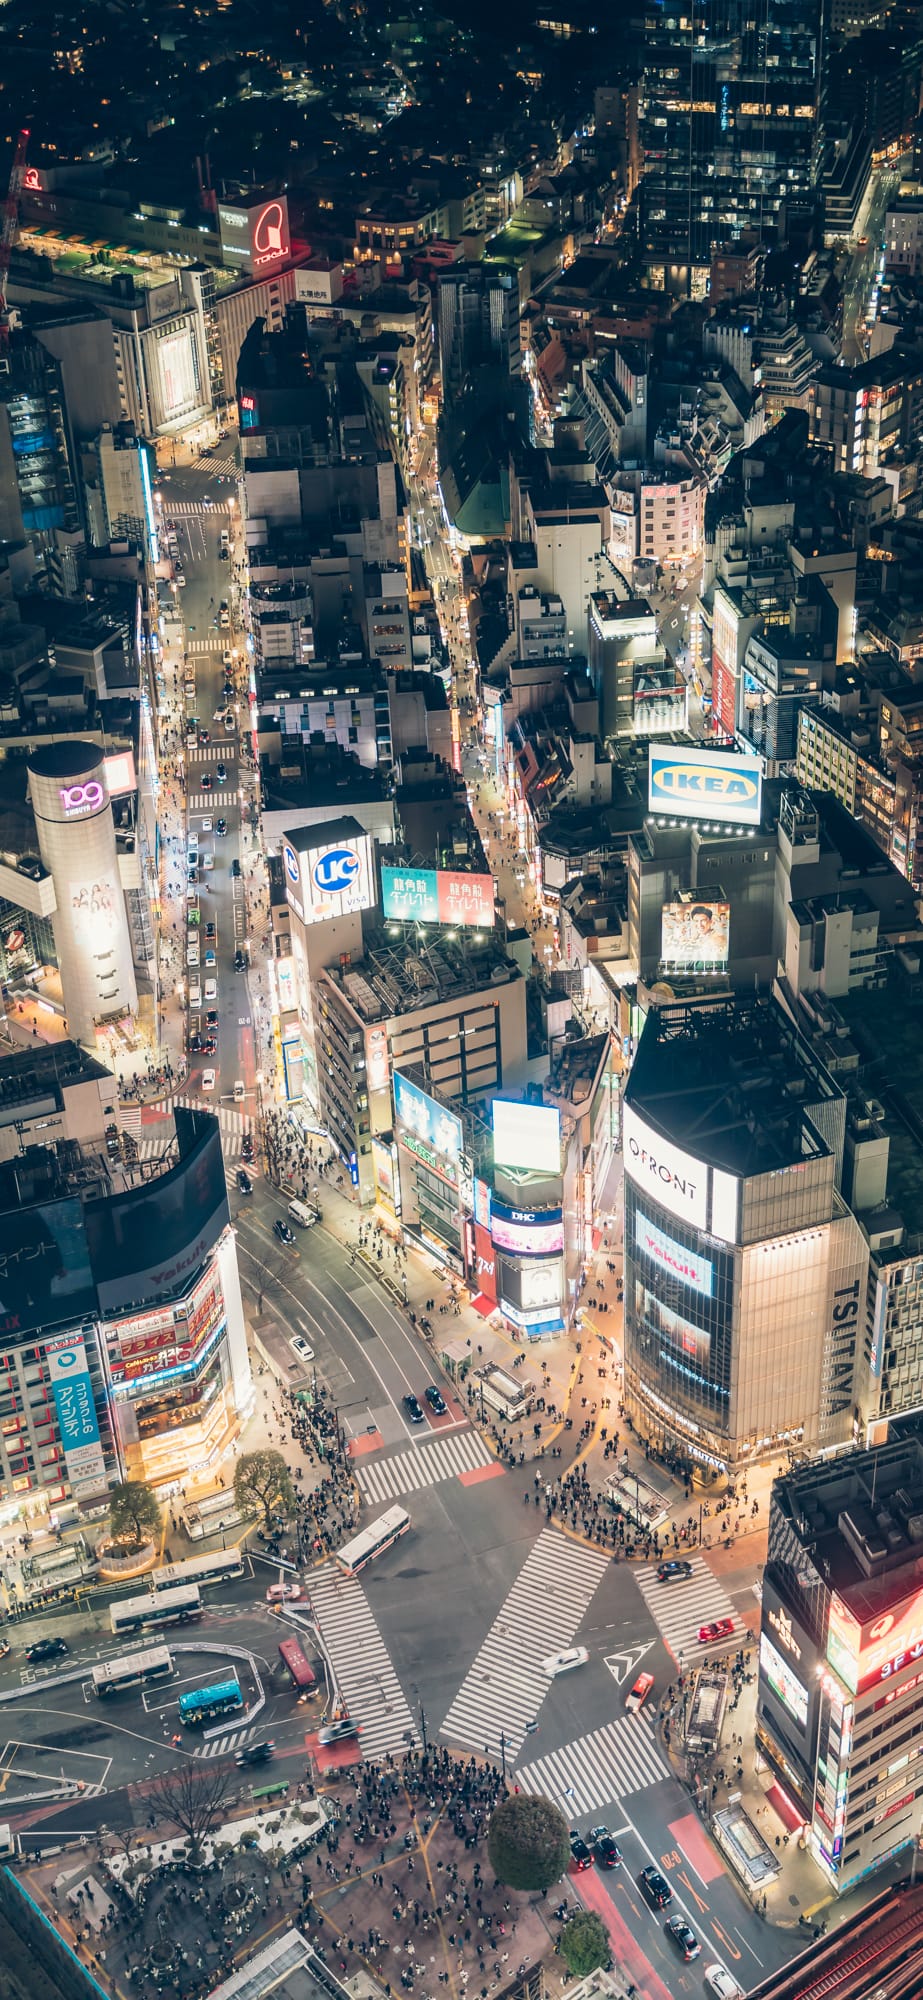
(205, 1704)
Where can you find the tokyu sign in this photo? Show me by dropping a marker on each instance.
(705, 784)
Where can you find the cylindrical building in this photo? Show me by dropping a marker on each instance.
(76, 838)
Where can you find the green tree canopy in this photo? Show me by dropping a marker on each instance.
(134, 1512)
(584, 1943)
(528, 1842)
(263, 1484)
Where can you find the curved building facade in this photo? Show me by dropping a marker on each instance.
(76, 838)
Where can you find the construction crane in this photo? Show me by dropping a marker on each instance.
(7, 235)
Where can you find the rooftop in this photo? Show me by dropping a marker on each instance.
(861, 1519)
(398, 976)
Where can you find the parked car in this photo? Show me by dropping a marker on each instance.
(654, 1888)
(210, 930)
(414, 1409)
(670, 1572)
(580, 1855)
(720, 1628)
(436, 1401)
(605, 1847)
(46, 1649)
(683, 1937)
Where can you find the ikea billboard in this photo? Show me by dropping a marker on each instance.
(705, 784)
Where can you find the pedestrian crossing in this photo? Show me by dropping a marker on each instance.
(194, 508)
(427, 1465)
(506, 1685)
(361, 1666)
(211, 753)
(680, 1609)
(599, 1769)
(216, 644)
(226, 464)
(220, 1745)
(199, 802)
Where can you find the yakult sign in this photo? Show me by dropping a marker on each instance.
(667, 1174)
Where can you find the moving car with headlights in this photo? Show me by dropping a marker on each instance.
(638, 1693)
(282, 1230)
(684, 1938)
(672, 1571)
(339, 1731)
(561, 1663)
(655, 1888)
(605, 1848)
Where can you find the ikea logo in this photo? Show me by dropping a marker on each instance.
(708, 784)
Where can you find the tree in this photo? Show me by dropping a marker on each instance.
(262, 1481)
(192, 1800)
(134, 1512)
(584, 1943)
(528, 1842)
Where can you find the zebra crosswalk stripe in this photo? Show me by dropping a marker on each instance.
(681, 1608)
(220, 1745)
(599, 1769)
(446, 1458)
(506, 1685)
(211, 753)
(199, 802)
(361, 1664)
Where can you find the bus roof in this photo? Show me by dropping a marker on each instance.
(200, 1697)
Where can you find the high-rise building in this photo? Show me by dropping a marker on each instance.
(478, 324)
(728, 126)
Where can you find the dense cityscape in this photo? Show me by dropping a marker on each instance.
(461, 1002)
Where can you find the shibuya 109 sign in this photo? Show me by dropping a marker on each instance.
(668, 1175)
(79, 801)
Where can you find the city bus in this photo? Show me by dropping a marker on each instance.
(215, 1568)
(292, 1656)
(172, 1607)
(133, 1670)
(373, 1540)
(204, 1704)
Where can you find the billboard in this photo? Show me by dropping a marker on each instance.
(485, 1263)
(673, 1178)
(420, 1115)
(146, 1245)
(72, 1390)
(863, 1655)
(705, 784)
(694, 934)
(673, 1258)
(119, 773)
(45, 1273)
(437, 896)
(527, 1136)
(328, 878)
(255, 235)
(527, 1232)
(784, 1682)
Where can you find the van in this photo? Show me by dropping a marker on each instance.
(211, 992)
(195, 993)
(300, 1212)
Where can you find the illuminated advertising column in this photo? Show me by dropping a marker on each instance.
(76, 839)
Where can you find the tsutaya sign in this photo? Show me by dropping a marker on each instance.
(705, 784)
(668, 1175)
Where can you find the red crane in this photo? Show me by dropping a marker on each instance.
(8, 230)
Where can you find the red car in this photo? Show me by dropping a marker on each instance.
(721, 1629)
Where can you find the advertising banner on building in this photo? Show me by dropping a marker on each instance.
(527, 1136)
(862, 1655)
(73, 1398)
(705, 784)
(526, 1232)
(45, 1274)
(328, 878)
(147, 1244)
(672, 1258)
(420, 1115)
(438, 896)
(669, 1175)
(694, 935)
(485, 1263)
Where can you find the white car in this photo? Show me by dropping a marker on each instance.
(208, 1079)
(301, 1348)
(284, 1593)
(561, 1663)
(205, 824)
(722, 1984)
(211, 992)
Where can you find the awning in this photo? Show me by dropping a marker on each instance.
(483, 1305)
(790, 1814)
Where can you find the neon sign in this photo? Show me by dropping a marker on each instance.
(80, 799)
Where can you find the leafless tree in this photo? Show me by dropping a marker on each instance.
(192, 1799)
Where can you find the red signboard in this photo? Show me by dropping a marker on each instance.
(465, 899)
(485, 1262)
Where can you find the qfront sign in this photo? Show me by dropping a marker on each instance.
(79, 801)
(668, 1175)
(705, 784)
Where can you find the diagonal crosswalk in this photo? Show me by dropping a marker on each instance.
(599, 1769)
(679, 1609)
(361, 1664)
(426, 1465)
(504, 1688)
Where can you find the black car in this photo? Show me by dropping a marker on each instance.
(282, 1230)
(605, 1849)
(246, 1147)
(235, 871)
(210, 930)
(414, 1409)
(221, 774)
(255, 1753)
(221, 827)
(244, 1182)
(654, 1888)
(685, 1940)
(670, 1572)
(228, 685)
(240, 962)
(211, 1018)
(436, 1401)
(580, 1855)
(46, 1649)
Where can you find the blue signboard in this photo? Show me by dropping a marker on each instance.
(73, 1398)
(410, 895)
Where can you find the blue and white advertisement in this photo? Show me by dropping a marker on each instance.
(419, 1114)
(705, 784)
(76, 1410)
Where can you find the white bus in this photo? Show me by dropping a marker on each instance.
(216, 1568)
(133, 1670)
(169, 1607)
(373, 1540)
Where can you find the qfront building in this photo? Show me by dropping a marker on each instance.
(745, 1272)
(839, 1713)
(123, 1351)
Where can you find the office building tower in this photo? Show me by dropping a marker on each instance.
(728, 124)
(478, 324)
